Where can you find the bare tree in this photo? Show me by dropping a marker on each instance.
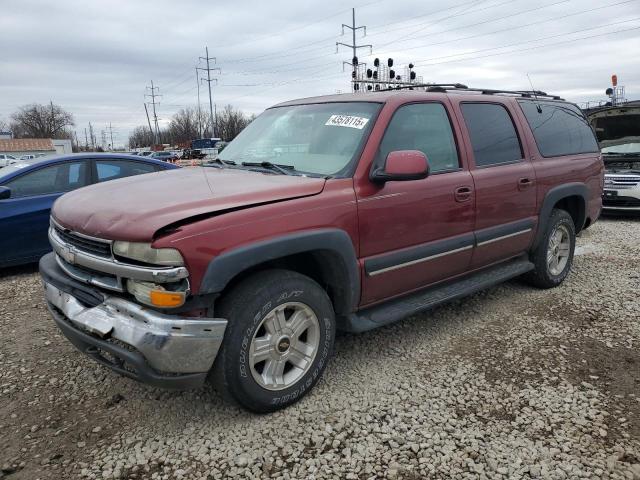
(4, 126)
(41, 121)
(230, 122)
(140, 137)
(184, 125)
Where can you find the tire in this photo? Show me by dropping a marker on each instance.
(546, 273)
(295, 351)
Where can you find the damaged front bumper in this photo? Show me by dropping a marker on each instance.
(163, 350)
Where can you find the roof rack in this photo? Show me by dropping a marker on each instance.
(447, 87)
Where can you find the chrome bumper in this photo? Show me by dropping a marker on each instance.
(169, 343)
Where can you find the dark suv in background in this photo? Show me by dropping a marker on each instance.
(342, 212)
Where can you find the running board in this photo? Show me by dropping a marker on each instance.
(397, 309)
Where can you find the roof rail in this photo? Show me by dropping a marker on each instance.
(448, 87)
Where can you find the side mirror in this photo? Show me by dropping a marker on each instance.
(5, 192)
(402, 165)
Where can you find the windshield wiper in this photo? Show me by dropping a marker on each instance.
(221, 162)
(283, 169)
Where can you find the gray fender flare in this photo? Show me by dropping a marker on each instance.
(334, 244)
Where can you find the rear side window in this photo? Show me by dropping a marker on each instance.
(493, 136)
(559, 128)
(424, 127)
(113, 169)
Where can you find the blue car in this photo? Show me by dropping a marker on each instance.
(29, 188)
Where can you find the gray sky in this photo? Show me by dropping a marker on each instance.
(95, 58)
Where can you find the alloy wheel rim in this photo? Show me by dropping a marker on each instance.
(558, 250)
(284, 346)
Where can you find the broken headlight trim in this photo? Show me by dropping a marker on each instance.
(144, 252)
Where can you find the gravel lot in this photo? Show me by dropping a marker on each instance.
(510, 383)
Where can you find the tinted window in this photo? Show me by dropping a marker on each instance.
(113, 169)
(424, 127)
(559, 128)
(54, 179)
(493, 136)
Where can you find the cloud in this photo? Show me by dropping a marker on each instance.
(96, 58)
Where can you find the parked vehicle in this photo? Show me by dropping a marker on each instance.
(164, 156)
(342, 212)
(206, 148)
(618, 132)
(29, 188)
(6, 159)
(145, 154)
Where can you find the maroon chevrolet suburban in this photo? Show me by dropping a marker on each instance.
(342, 212)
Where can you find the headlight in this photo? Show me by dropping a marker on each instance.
(143, 252)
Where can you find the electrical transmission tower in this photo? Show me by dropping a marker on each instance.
(354, 47)
(153, 96)
(207, 58)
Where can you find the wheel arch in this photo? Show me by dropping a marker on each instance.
(326, 255)
(572, 198)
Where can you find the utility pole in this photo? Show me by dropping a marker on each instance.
(199, 112)
(149, 121)
(111, 133)
(92, 137)
(354, 47)
(153, 96)
(209, 80)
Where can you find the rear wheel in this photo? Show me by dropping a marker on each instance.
(554, 255)
(279, 338)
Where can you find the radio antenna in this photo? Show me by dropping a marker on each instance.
(535, 95)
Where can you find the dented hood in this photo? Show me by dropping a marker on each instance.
(135, 208)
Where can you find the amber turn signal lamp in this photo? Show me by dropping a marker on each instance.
(165, 299)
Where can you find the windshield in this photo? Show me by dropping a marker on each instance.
(318, 139)
(618, 130)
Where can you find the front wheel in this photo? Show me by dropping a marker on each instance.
(279, 338)
(554, 255)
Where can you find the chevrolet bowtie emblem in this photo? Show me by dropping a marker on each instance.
(68, 254)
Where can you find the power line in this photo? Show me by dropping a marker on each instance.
(526, 41)
(207, 58)
(491, 20)
(517, 27)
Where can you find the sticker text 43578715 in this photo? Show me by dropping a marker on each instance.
(347, 121)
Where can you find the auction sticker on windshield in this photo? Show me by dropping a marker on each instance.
(347, 121)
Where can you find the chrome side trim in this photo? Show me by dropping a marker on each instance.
(169, 343)
(113, 267)
(497, 239)
(419, 260)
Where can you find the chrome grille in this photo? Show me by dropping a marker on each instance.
(621, 182)
(85, 244)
